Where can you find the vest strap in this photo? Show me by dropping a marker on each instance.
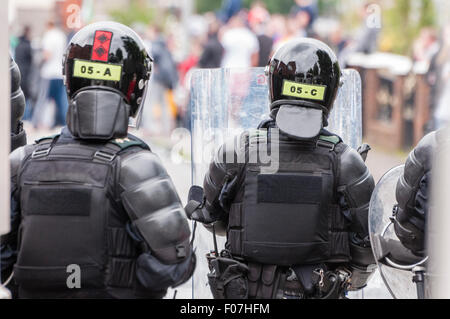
(46, 147)
(329, 142)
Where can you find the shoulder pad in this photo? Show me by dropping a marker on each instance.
(352, 166)
(140, 166)
(51, 137)
(127, 142)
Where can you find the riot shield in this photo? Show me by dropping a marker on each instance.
(397, 276)
(225, 102)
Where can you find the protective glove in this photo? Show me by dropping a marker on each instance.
(156, 276)
(195, 208)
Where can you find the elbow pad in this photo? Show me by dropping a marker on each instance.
(418, 165)
(412, 193)
(154, 207)
(356, 184)
(18, 137)
(17, 98)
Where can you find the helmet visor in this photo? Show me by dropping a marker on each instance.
(135, 121)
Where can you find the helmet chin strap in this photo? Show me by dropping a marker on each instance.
(274, 107)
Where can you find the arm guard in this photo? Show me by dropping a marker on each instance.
(411, 214)
(18, 137)
(356, 185)
(154, 207)
(221, 181)
(8, 246)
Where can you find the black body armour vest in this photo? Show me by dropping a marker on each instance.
(291, 216)
(72, 217)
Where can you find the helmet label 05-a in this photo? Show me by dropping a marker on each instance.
(97, 71)
(304, 91)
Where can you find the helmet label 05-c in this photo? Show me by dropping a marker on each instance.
(304, 91)
(97, 71)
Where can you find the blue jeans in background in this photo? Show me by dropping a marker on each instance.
(57, 92)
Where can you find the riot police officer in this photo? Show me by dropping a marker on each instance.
(300, 231)
(95, 214)
(413, 193)
(18, 136)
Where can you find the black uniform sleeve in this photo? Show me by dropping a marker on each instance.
(356, 185)
(8, 246)
(156, 212)
(221, 181)
(18, 137)
(412, 194)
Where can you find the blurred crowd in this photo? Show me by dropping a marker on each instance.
(232, 37)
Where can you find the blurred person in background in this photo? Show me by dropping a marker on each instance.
(276, 28)
(13, 41)
(212, 54)
(366, 40)
(184, 68)
(198, 33)
(24, 59)
(425, 46)
(229, 9)
(340, 43)
(54, 44)
(439, 78)
(303, 20)
(291, 31)
(337, 39)
(241, 48)
(158, 117)
(306, 11)
(258, 19)
(177, 34)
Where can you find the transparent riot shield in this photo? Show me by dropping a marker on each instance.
(225, 102)
(396, 275)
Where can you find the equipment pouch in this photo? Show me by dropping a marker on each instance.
(227, 278)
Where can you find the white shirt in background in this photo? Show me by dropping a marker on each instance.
(54, 42)
(239, 45)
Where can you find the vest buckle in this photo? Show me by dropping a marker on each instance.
(40, 153)
(104, 156)
(326, 144)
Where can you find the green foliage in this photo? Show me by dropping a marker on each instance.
(136, 11)
(400, 29)
(428, 16)
(274, 6)
(203, 6)
(327, 7)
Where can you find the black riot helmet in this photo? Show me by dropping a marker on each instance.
(304, 77)
(111, 60)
